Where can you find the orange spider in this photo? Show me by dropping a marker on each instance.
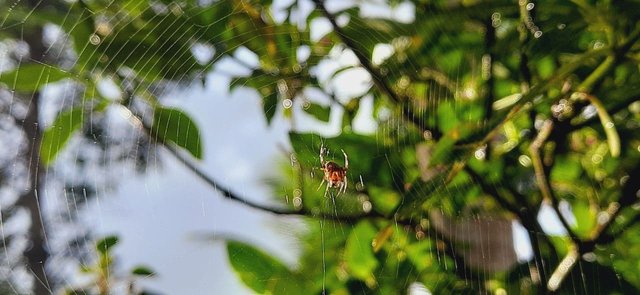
(335, 175)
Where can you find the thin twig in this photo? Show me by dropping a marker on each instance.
(426, 74)
(493, 192)
(532, 217)
(228, 194)
(487, 68)
(525, 72)
(542, 179)
(612, 110)
(564, 268)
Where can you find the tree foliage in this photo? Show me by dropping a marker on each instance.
(486, 113)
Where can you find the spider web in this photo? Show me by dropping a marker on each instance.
(112, 180)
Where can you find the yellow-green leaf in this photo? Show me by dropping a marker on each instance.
(382, 237)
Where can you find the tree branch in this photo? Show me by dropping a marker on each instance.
(563, 269)
(228, 194)
(523, 67)
(487, 68)
(542, 179)
(462, 269)
(612, 110)
(528, 221)
(376, 76)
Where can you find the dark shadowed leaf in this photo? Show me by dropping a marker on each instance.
(175, 126)
(103, 246)
(358, 253)
(270, 105)
(321, 113)
(142, 271)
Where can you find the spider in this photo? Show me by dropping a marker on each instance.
(335, 175)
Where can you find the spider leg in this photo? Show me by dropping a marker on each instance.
(346, 160)
(322, 151)
(344, 190)
(339, 189)
(327, 189)
(321, 183)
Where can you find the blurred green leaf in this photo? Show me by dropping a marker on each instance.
(443, 150)
(418, 254)
(261, 272)
(447, 118)
(104, 245)
(270, 105)
(566, 169)
(175, 126)
(585, 218)
(321, 113)
(142, 271)
(358, 252)
(30, 77)
(58, 134)
(385, 199)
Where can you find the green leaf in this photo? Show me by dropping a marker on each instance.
(56, 136)
(419, 255)
(319, 112)
(385, 199)
(442, 151)
(359, 256)
(143, 271)
(447, 119)
(103, 246)
(585, 218)
(30, 77)
(261, 272)
(420, 191)
(173, 125)
(566, 169)
(270, 105)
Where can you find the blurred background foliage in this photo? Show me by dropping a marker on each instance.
(486, 112)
